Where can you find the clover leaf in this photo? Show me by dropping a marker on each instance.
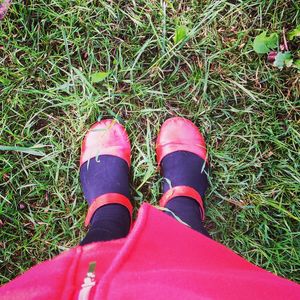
(263, 43)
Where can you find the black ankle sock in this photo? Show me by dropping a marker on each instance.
(102, 175)
(185, 168)
(99, 176)
(109, 222)
(188, 210)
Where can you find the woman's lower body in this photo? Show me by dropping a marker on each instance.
(181, 155)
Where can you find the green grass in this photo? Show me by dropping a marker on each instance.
(247, 110)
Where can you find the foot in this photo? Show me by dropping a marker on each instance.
(182, 157)
(104, 166)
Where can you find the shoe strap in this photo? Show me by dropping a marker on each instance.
(109, 198)
(179, 191)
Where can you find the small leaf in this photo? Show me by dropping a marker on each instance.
(283, 59)
(263, 43)
(297, 64)
(180, 33)
(294, 33)
(99, 76)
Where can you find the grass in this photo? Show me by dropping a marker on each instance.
(247, 110)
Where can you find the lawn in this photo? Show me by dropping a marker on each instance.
(247, 109)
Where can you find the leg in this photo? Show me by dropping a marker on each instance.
(188, 211)
(105, 182)
(109, 222)
(183, 169)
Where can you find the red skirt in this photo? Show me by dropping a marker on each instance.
(159, 259)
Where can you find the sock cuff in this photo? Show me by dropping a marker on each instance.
(185, 191)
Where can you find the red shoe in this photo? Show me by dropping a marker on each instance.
(180, 134)
(106, 137)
